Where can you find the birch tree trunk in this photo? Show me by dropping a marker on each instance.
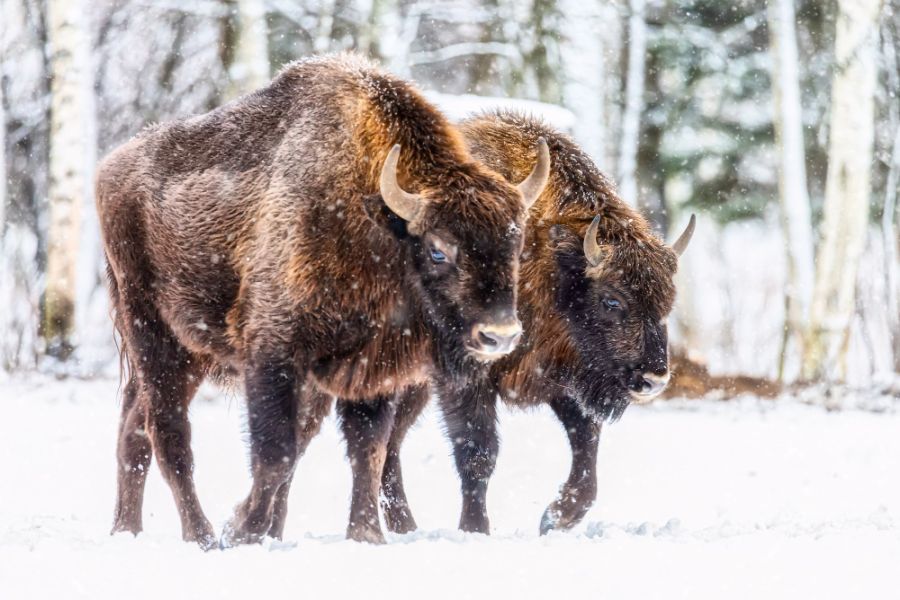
(397, 30)
(796, 223)
(846, 190)
(889, 235)
(2, 164)
(326, 25)
(888, 226)
(590, 51)
(634, 103)
(250, 68)
(71, 164)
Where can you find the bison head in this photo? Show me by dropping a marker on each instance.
(615, 299)
(463, 233)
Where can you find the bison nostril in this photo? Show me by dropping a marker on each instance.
(487, 339)
(646, 386)
(496, 339)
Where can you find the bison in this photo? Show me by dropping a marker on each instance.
(328, 232)
(595, 290)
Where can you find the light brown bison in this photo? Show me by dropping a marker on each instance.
(330, 232)
(595, 290)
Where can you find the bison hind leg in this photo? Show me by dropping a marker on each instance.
(164, 378)
(134, 454)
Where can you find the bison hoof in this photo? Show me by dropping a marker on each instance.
(558, 519)
(207, 542)
(400, 520)
(370, 535)
(475, 525)
(125, 527)
(549, 520)
(233, 535)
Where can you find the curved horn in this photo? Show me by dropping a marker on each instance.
(404, 204)
(684, 239)
(534, 184)
(592, 250)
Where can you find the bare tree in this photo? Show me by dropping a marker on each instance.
(888, 228)
(249, 69)
(71, 117)
(847, 189)
(2, 158)
(634, 103)
(325, 29)
(590, 51)
(796, 224)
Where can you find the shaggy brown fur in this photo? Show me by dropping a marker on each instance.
(581, 357)
(584, 358)
(252, 240)
(637, 265)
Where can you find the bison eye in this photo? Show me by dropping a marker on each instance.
(438, 256)
(612, 304)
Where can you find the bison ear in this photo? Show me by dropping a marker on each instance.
(560, 236)
(571, 283)
(379, 213)
(567, 252)
(557, 234)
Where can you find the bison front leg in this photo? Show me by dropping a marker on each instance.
(272, 417)
(366, 427)
(470, 417)
(579, 492)
(315, 408)
(397, 513)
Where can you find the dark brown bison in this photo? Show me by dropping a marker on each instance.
(253, 241)
(595, 290)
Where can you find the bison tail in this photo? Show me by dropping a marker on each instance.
(115, 314)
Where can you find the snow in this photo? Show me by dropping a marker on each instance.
(743, 499)
(460, 106)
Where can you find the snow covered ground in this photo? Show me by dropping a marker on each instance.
(703, 500)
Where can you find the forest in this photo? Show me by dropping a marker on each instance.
(742, 112)
(768, 466)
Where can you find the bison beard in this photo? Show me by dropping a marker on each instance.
(271, 239)
(600, 394)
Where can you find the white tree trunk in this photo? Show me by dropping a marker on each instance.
(634, 103)
(889, 235)
(796, 223)
(72, 148)
(888, 226)
(2, 165)
(847, 189)
(326, 25)
(250, 69)
(590, 52)
(397, 32)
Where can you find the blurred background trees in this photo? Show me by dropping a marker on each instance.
(778, 123)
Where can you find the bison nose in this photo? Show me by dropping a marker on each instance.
(648, 386)
(493, 340)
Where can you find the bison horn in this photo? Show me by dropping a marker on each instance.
(534, 184)
(404, 204)
(682, 242)
(592, 250)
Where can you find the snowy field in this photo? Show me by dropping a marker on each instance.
(702, 500)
